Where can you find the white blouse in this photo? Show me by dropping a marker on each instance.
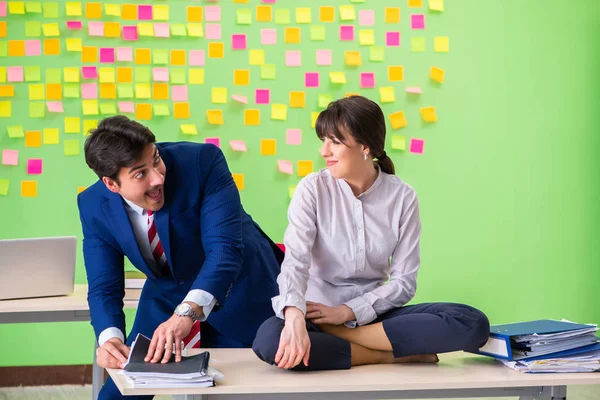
(338, 246)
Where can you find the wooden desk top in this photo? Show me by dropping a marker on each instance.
(246, 374)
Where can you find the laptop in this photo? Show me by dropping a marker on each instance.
(37, 267)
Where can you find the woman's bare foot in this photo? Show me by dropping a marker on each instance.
(423, 358)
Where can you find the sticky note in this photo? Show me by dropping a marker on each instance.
(33, 48)
(417, 44)
(238, 179)
(51, 47)
(162, 30)
(53, 90)
(305, 167)
(160, 91)
(8, 91)
(252, 117)
(293, 58)
(213, 31)
(50, 10)
(392, 15)
(317, 33)
(161, 110)
(55, 107)
(279, 112)
(145, 12)
(193, 30)
(37, 110)
(414, 90)
(93, 10)
(130, 32)
(219, 95)
(124, 74)
(313, 118)
(72, 125)
(268, 147)
(441, 44)
(285, 167)
(215, 117)
(397, 120)
(353, 58)
(323, 57)
(337, 77)
(194, 14)
(326, 13)
(33, 73)
(143, 111)
(114, 10)
(124, 54)
(88, 126)
(71, 147)
(292, 35)
(256, 57)
(262, 96)
(95, 28)
(376, 53)
(366, 37)
(4, 184)
(74, 44)
(14, 7)
(282, 16)
(36, 92)
(31, 7)
(179, 29)
(74, 9)
(392, 38)
(238, 41)
(264, 14)
(240, 99)
(303, 15)
(216, 141)
(10, 157)
(196, 58)
(178, 76)
(417, 146)
(5, 109)
(415, 3)
(212, 13)
(216, 50)
(291, 191)
(238, 145)
(324, 100)
(268, 71)
(428, 114)
(347, 32)
(437, 74)
(398, 143)
(293, 137)
(74, 25)
(188, 129)
(241, 77)
(243, 16)
(417, 21)
(297, 99)
(126, 106)
(196, 76)
(347, 13)
(28, 188)
(15, 74)
(107, 55)
(367, 79)
(160, 74)
(268, 36)
(179, 93)
(436, 5)
(15, 131)
(51, 136)
(311, 79)
(160, 56)
(387, 94)
(89, 107)
(33, 138)
(33, 29)
(366, 17)
(142, 91)
(107, 75)
(34, 166)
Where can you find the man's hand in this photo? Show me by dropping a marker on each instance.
(319, 314)
(112, 354)
(168, 333)
(294, 343)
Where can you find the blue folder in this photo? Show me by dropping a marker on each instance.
(499, 343)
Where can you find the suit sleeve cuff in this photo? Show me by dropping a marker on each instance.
(204, 299)
(363, 311)
(110, 333)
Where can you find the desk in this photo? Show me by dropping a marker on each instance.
(73, 307)
(457, 375)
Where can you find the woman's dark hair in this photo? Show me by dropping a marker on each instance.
(117, 142)
(363, 119)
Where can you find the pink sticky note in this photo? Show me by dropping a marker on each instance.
(366, 17)
(240, 99)
(10, 157)
(212, 31)
(33, 47)
(215, 140)
(417, 146)
(367, 80)
(89, 90)
(126, 107)
(311, 79)
(145, 12)
(238, 41)
(269, 1)
(392, 38)
(196, 58)
(130, 32)
(293, 136)
(74, 25)
(15, 74)
(212, 13)
(268, 36)
(124, 54)
(347, 32)
(34, 166)
(95, 28)
(179, 93)
(238, 145)
(293, 58)
(416, 90)
(55, 106)
(323, 57)
(2, 9)
(107, 55)
(262, 96)
(161, 29)
(89, 72)
(417, 21)
(285, 166)
(160, 74)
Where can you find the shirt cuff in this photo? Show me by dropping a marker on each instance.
(281, 302)
(363, 311)
(204, 299)
(110, 333)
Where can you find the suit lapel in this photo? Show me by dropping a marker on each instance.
(162, 216)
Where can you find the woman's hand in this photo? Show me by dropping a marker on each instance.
(319, 314)
(294, 343)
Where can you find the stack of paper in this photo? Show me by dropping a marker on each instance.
(190, 371)
(584, 362)
(533, 345)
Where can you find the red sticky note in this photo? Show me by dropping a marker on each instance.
(417, 21)
(145, 12)
(367, 80)
(10, 157)
(215, 141)
(89, 72)
(263, 96)
(74, 25)
(238, 41)
(293, 136)
(347, 32)
(130, 32)
(107, 55)
(417, 145)
(34, 166)
(392, 38)
(196, 58)
(311, 79)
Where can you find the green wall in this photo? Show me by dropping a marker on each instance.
(507, 182)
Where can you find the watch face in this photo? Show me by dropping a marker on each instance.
(183, 308)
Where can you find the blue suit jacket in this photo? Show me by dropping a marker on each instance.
(209, 240)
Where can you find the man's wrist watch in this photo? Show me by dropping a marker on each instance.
(185, 310)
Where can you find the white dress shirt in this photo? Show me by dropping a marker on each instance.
(139, 222)
(338, 246)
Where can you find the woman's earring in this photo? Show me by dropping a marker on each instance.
(365, 156)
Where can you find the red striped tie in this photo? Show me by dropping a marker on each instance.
(157, 249)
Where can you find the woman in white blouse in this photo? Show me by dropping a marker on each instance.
(351, 262)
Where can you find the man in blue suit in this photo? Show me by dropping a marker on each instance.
(174, 211)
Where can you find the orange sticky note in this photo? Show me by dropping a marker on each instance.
(143, 111)
(395, 73)
(178, 57)
(194, 14)
(51, 47)
(392, 15)
(305, 167)
(142, 56)
(80, 189)
(241, 77)
(129, 12)
(181, 110)
(54, 91)
(268, 147)
(2, 29)
(264, 13)
(326, 14)
(28, 188)
(124, 74)
(437, 74)
(353, 58)
(428, 114)
(216, 50)
(397, 120)
(33, 138)
(297, 99)
(252, 117)
(292, 35)
(7, 91)
(89, 54)
(108, 91)
(215, 117)
(16, 48)
(112, 29)
(93, 10)
(160, 91)
(239, 180)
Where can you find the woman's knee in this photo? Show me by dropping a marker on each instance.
(479, 330)
(267, 337)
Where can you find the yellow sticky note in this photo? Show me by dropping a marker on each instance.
(441, 44)
(51, 29)
(89, 125)
(5, 109)
(353, 58)
(292, 35)
(114, 10)
(188, 129)
(268, 147)
(366, 37)
(74, 44)
(195, 30)
(72, 125)
(51, 136)
(216, 50)
(36, 91)
(313, 118)
(181, 110)
(143, 111)
(303, 15)
(71, 147)
(398, 142)
(395, 73)
(239, 180)
(196, 76)
(279, 112)
(397, 120)
(252, 117)
(28, 188)
(392, 15)
(256, 57)
(145, 29)
(387, 94)
(106, 74)
(415, 3)
(264, 13)
(215, 117)
(33, 139)
(326, 14)
(436, 5)
(160, 12)
(71, 74)
(337, 77)
(437, 74)
(219, 95)
(297, 99)
(241, 77)
(428, 114)
(305, 167)
(347, 13)
(90, 107)
(74, 9)
(142, 91)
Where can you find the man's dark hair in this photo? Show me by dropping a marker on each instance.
(116, 143)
